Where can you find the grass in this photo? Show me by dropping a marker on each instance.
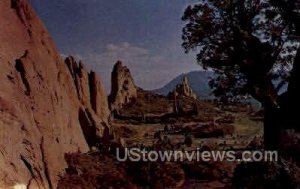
(244, 126)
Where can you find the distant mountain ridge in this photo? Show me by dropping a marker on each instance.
(198, 81)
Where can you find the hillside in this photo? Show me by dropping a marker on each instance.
(198, 81)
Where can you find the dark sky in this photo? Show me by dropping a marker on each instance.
(144, 34)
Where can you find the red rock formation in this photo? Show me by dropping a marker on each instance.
(89, 88)
(41, 102)
(183, 89)
(94, 113)
(123, 89)
(98, 97)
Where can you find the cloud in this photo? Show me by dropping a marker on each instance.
(125, 52)
(149, 70)
(143, 64)
(126, 49)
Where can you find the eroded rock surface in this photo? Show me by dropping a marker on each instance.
(40, 102)
(183, 90)
(123, 89)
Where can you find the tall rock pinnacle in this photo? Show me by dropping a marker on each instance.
(123, 89)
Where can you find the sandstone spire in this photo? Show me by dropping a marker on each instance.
(123, 89)
(183, 89)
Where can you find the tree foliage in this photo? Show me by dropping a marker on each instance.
(249, 43)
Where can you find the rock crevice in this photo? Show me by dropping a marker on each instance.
(40, 97)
